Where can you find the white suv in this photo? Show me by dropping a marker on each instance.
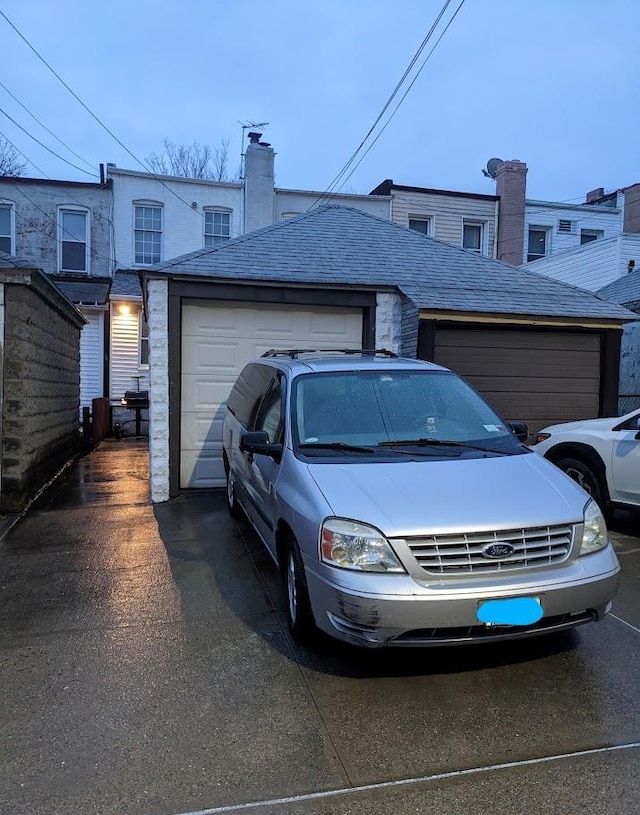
(602, 455)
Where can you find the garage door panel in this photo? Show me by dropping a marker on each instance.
(540, 377)
(517, 339)
(543, 385)
(217, 341)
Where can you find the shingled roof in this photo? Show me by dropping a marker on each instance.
(625, 290)
(340, 245)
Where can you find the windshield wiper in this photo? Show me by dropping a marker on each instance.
(440, 443)
(336, 445)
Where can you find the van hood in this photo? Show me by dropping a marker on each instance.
(410, 498)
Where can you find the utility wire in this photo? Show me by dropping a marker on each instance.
(404, 96)
(98, 120)
(395, 91)
(53, 152)
(51, 133)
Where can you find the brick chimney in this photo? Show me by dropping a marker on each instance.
(593, 195)
(259, 181)
(631, 221)
(511, 187)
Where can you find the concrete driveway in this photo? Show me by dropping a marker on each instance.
(146, 669)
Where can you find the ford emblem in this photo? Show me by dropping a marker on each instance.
(498, 550)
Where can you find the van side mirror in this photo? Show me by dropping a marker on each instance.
(257, 442)
(520, 430)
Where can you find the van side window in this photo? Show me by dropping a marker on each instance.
(270, 416)
(246, 395)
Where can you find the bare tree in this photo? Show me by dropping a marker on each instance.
(192, 160)
(10, 162)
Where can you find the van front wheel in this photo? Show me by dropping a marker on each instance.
(299, 614)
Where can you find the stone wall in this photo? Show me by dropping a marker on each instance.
(41, 388)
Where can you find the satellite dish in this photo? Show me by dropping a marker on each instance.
(492, 166)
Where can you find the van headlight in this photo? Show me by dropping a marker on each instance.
(351, 545)
(595, 535)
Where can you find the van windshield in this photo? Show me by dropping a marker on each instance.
(388, 408)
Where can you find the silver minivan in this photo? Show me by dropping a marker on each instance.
(402, 510)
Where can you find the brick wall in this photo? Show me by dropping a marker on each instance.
(41, 393)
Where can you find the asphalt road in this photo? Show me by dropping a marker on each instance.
(146, 669)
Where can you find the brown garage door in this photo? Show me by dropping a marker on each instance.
(539, 377)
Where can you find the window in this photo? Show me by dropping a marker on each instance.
(588, 235)
(144, 340)
(148, 234)
(538, 243)
(217, 227)
(422, 225)
(73, 240)
(246, 395)
(473, 236)
(6, 229)
(270, 417)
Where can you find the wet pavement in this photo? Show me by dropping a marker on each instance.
(146, 669)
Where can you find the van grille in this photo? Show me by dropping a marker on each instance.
(458, 554)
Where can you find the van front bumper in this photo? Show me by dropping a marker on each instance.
(446, 611)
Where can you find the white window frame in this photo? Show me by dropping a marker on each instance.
(547, 240)
(63, 237)
(225, 238)
(426, 219)
(483, 250)
(594, 234)
(152, 205)
(12, 225)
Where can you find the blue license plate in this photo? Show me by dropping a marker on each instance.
(514, 611)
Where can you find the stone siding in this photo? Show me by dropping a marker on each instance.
(41, 394)
(388, 322)
(158, 319)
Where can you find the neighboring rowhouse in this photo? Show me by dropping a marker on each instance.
(64, 228)
(39, 381)
(539, 350)
(506, 225)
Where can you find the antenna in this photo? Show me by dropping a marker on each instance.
(492, 166)
(247, 126)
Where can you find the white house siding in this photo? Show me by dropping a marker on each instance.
(294, 202)
(590, 267)
(548, 214)
(447, 214)
(91, 357)
(182, 224)
(125, 352)
(158, 317)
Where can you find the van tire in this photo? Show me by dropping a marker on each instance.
(232, 502)
(299, 614)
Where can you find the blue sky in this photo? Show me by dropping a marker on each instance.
(554, 83)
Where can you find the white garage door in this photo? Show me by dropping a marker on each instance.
(217, 341)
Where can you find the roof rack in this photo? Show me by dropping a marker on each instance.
(294, 353)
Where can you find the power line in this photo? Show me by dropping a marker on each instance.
(35, 118)
(394, 111)
(53, 152)
(389, 100)
(97, 119)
